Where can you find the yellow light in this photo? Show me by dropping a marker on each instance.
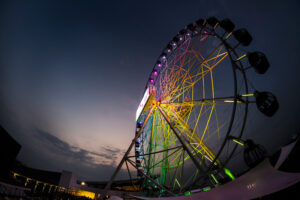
(240, 58)
(83, 193)
(238, 142)
(247, 95)
(82, 183)
(207, 158)
(231, 101)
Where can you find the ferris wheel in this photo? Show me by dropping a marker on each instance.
(194, 109)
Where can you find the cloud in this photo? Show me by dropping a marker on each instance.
(107, 156)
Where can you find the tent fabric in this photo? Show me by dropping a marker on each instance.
(285, 151)
(258, 182)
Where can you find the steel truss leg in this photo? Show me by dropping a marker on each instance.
(152, 180)
(108, 185)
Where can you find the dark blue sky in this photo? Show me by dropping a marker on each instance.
(73, 72)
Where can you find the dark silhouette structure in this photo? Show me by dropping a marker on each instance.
(9, 150)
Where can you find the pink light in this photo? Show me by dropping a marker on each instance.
(155, 72)
(158, 64)
(151, 80)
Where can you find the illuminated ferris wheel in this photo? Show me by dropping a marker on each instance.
(194, 109)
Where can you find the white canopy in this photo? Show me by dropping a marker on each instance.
(262, 180)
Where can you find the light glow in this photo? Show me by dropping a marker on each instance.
(83, 193)
(247, 95)
(228, 172)
(238, 142)
(142, 104)
(231, 101)
(215, 179)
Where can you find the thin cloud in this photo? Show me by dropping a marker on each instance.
(107, 156)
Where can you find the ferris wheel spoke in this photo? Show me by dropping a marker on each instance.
(203, 62)
(203, 40)
(181, 55)
(201, 75)
(165, 158)
(181, 89)
(174, 179)
(157, 152)
(208, 102)
(182, 127)
(211, 57)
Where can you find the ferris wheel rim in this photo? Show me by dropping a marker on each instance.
(235, 95)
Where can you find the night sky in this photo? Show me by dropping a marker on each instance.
(72, 73)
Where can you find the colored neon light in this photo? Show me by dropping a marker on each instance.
(231, 101)
(228, 172)
(238, 142)
(215, 179)
(247, 95)
(243, 56)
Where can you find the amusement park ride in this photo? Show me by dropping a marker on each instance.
(191, 119)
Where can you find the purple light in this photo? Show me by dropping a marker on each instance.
(169, 48)
(155, 72)
(158, 64)
(151, 80)
(163, 56)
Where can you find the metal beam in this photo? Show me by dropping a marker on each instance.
(152, 180)
(108, 185)
(181, 141)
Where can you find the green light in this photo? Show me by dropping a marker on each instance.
(228, 172)
(216, 181)
(187, 193)
(238, 142)
(206, 189)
